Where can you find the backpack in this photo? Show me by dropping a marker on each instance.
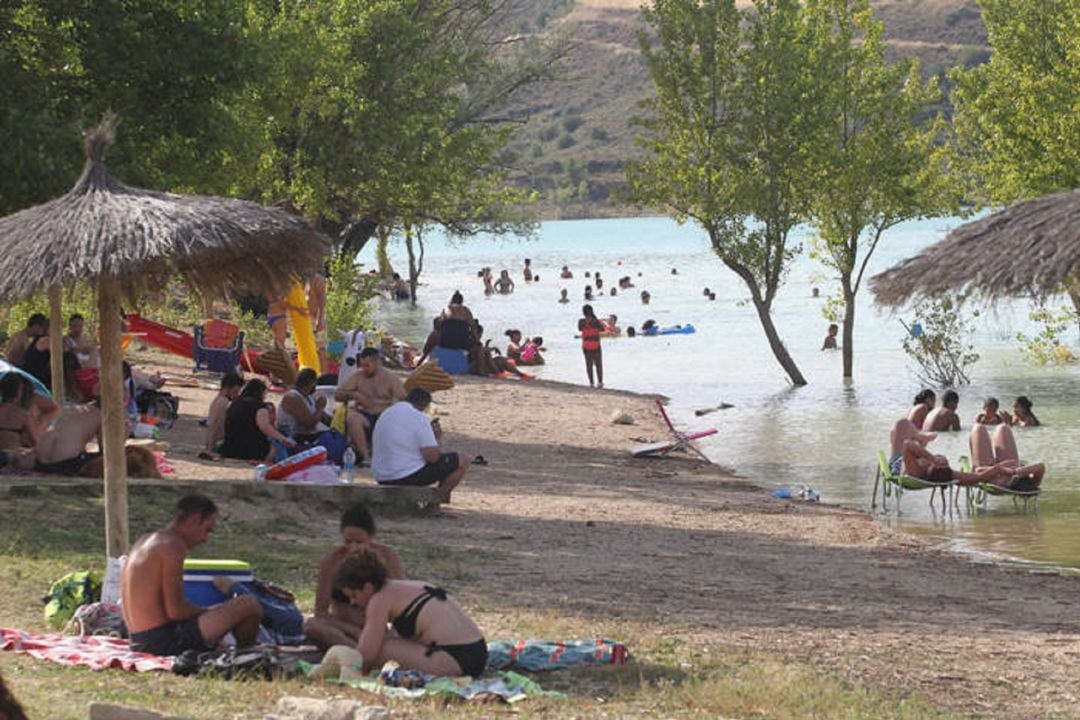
(67, 594)
(162, 405)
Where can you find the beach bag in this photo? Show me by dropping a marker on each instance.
(162, 405)
(67, 594)
(97, 618)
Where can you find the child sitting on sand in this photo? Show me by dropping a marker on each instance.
(336, 621)
(530, 352)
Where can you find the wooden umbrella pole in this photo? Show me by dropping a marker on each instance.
(56, 345)
(113, 428)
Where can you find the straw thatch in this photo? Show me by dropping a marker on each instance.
(1028, 249)
(142, 238)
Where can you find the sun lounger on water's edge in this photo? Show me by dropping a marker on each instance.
(679, 441)
(892, 484)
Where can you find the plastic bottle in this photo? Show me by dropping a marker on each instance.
(260, 472)
(348, 466)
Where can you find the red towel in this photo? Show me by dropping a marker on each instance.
(94, 651)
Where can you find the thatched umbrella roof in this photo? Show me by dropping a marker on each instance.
(1028, 249)
(142, 238)
(127, 241)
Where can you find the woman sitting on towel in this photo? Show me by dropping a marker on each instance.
(432, 633)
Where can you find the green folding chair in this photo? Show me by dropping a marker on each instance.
(983, 492)
(898, 484)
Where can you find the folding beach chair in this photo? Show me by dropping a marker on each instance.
(983, 491)
(892, 484)
(679, 441)
(218, 346)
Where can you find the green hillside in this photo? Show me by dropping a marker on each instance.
(576, 130)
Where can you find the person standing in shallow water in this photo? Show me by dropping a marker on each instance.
(591, 327)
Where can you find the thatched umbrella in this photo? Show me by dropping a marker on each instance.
(1029, 249)
(131, 242)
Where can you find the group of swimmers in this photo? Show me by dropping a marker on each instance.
(995, 458)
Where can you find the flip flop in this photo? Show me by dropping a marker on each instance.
(479, 460)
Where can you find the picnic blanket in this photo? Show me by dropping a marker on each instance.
(509, 686)
(94, 651)
(536, 655)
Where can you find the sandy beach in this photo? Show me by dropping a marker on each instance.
(564, 521)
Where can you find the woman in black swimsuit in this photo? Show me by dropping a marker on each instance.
(434, 635)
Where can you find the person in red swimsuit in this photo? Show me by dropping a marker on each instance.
(591, 327)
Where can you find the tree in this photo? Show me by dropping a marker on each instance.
(167, 67)
(728, 135)
(874, 166)
(383, 115)
(1017, 119)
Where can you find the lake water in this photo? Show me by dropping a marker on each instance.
(825, 434)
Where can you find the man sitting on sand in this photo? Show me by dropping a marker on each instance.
(944, 418)
(336, 621)
(159, 618)
(405, 448)
(372, 387)
(215, 421)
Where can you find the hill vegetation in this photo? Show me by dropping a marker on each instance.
(577, 130)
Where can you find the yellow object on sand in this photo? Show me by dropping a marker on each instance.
(307, 353)
(430, 377)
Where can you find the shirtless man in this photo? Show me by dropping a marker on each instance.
(231, 383)
(373, 388)
(158, 616)
(336, 621)
(944, 418)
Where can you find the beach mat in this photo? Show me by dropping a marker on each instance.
(93, 651)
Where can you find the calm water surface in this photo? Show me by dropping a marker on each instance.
(824, 434)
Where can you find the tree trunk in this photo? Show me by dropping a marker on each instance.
(849, 326)
(413, 272)
(780, 352)
(382, 255)
(56, 345)
(764, 311)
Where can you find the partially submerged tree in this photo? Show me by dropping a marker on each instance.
(729, 134)
(875, 165)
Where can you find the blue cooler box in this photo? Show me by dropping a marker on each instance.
(199, 575)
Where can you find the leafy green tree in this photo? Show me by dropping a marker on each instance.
(1017, 120)
(384, 114)
(874, 166)
(729, 133)
(169, 68)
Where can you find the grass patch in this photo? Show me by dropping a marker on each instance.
(43, 537)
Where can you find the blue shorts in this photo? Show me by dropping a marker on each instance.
(896, 463)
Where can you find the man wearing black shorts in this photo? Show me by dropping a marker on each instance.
(405, 447)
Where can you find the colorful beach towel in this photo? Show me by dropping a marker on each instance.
(94, 652)
(508, 686)
(536, 655)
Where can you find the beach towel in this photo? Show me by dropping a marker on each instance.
(536, 655)
(508, 686)
(94, 652)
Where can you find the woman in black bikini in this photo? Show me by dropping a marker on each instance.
(433, 633)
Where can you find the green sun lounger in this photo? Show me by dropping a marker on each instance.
(898, 484)
(983, 491)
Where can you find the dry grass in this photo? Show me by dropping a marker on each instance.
(45, 536)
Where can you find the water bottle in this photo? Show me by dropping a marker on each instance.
(260, 472)
(348, 466)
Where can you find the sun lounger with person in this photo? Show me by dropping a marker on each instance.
(910, 457)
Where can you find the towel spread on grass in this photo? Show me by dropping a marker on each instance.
(94, 651)
(529, 655)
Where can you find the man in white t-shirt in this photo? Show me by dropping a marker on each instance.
(405, 449)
